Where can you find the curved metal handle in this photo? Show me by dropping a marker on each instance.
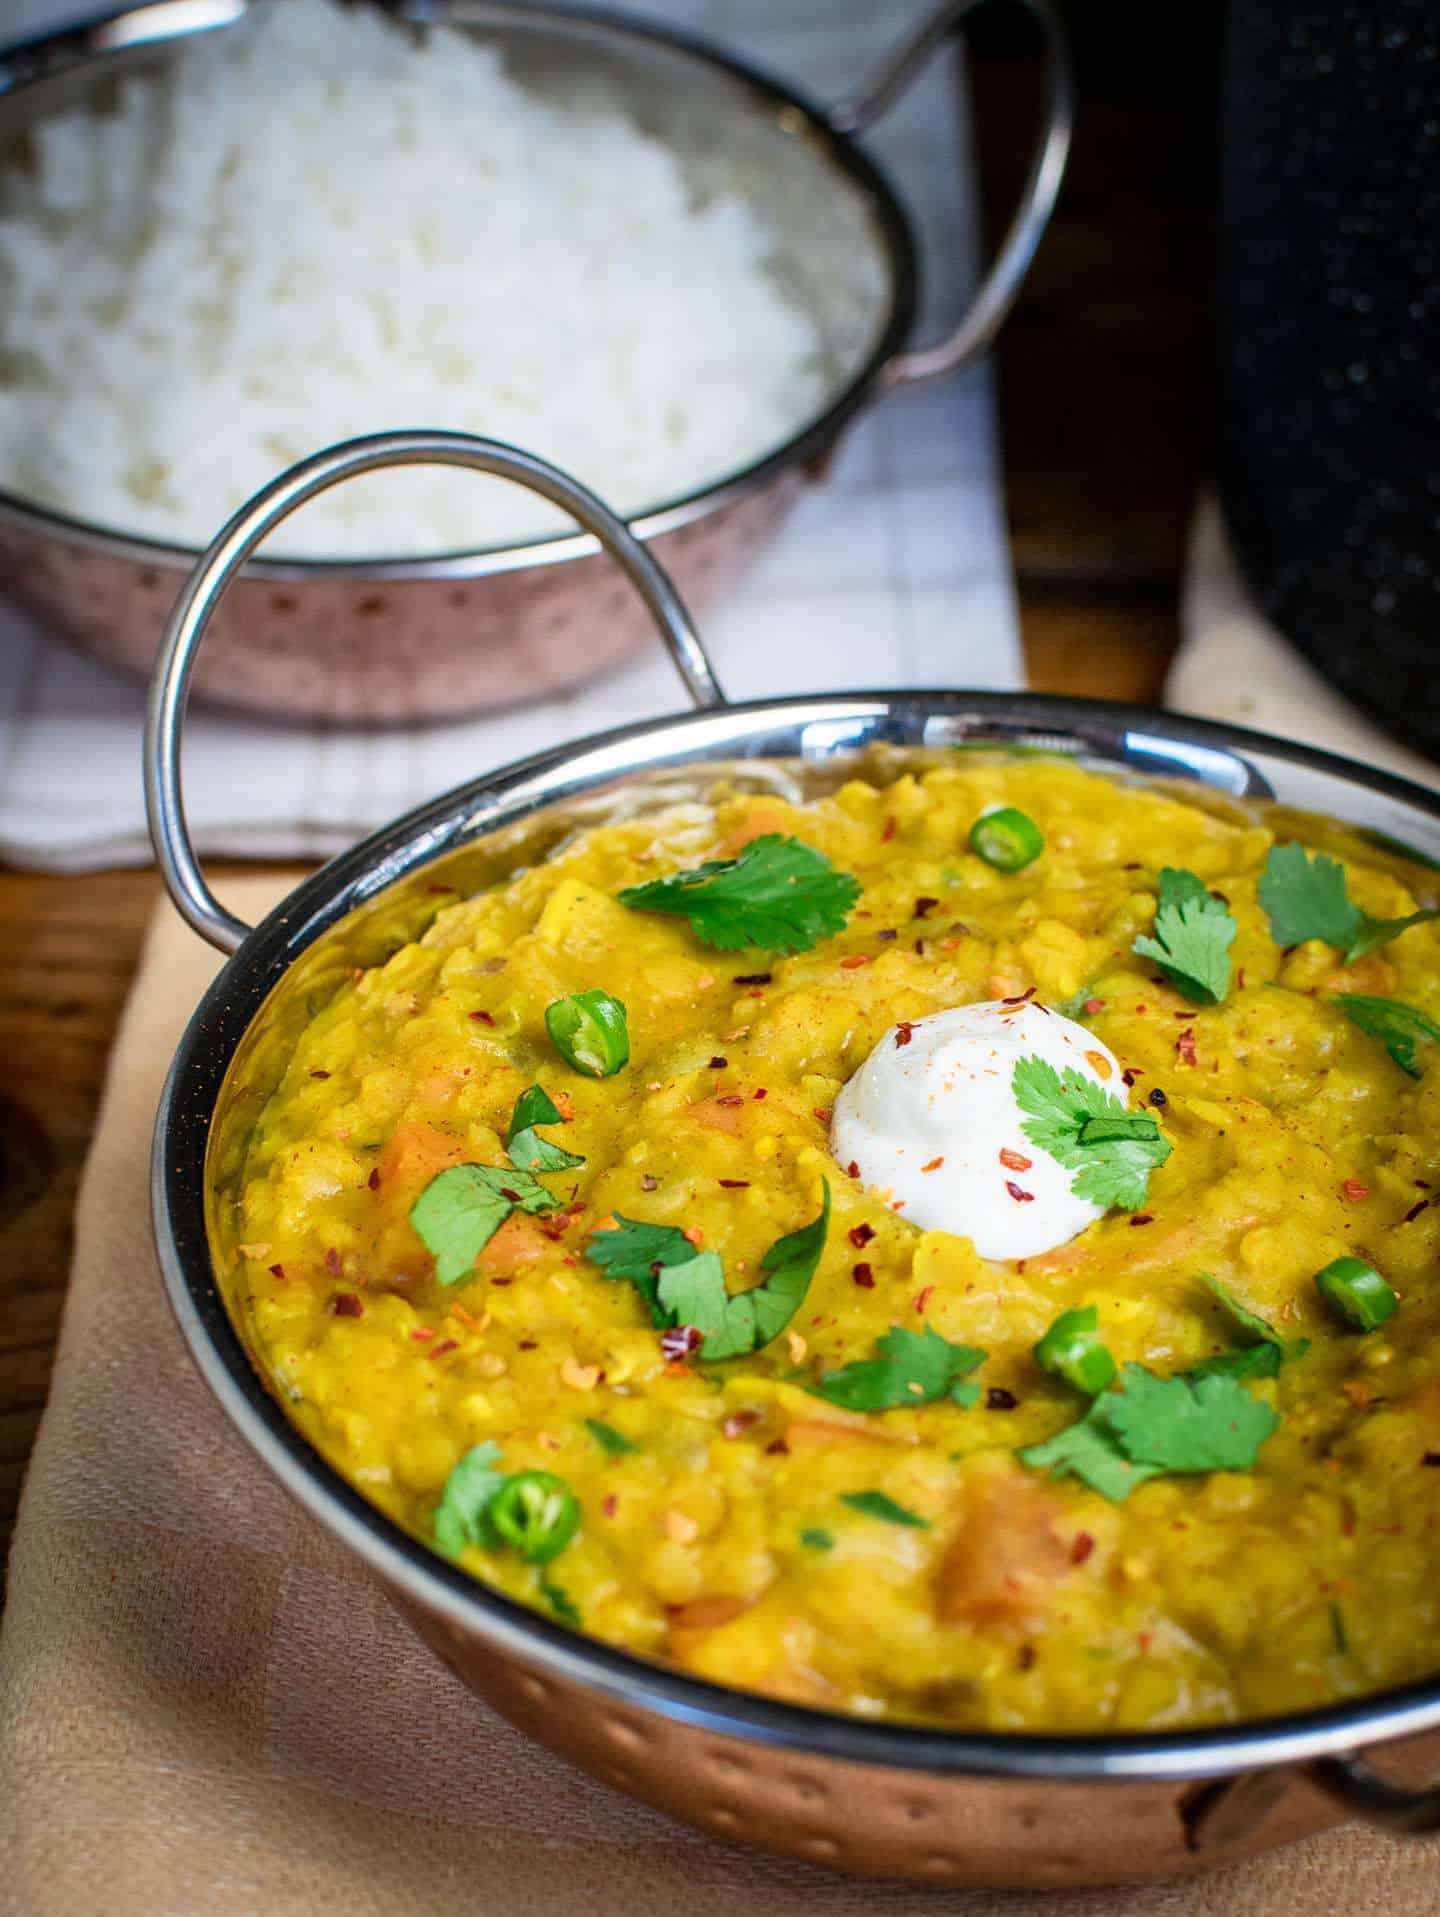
(1350, 1782)
(233, 545)
(996, 292)
(72, 47)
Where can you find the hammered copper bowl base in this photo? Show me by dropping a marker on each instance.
(869, 1820)
(383, 651)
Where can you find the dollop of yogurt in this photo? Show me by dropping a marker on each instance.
(931, 1120)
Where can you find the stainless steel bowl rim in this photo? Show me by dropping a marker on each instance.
(1121, 734)
(821, 125)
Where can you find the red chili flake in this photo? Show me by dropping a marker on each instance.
(446, 1344)
(1142, 1009)
(649, 1183)
(888, 833)
(734, 1184)
(760, 1093)
(1240, 979)
(823, 1113)
(852, 1170)
(739, 1421)
(1014, 1161)
(1189, 1014)
(554, 1224)
(924, 907)
(492, 965)
(318, 1074)
(513, 1196)
(753, 978)
(332, 1262)
(373, 1181)
(677, 1344)
(1185, 1048)
(1093, 1005)
(920, 948)
(922, 1298)
(1143, 1218)
(1415, 1210)
(1421, 1184)
(1132, 865)
(278, 1271)
(904, 1032)
(1021, 998)
(1081, 1545)
(1431, 1458)
(860, 1235)
(1145, 1640)
(935, 1164)
(1354, 1190)
(439, 888)
(610, 1505)
(887, 934)
(718, 1064)
(346, 1305)
(863, 1276)
(485, 1018)
(1020, 1197)
(422, 1334)
(779, 1449)
(730, 1098)
(1157, 1097)
(528, 1344)
(997, 1398)
(501, 1283)
(855, 961)
(695, 1236)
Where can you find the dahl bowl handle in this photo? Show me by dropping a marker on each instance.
(997, 290)
(1349, 1781)
(233, 545)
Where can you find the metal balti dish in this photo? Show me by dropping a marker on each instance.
(879, 1798)
(405, 639)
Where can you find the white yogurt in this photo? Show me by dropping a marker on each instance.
(930, 1119)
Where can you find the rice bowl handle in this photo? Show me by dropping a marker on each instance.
(233, 545)
(1001, 284)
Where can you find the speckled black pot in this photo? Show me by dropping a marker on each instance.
(1330, 337)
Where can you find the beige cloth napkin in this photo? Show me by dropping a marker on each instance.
(1233, 665)
(205, 1708)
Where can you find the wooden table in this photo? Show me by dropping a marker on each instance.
(1104, 390)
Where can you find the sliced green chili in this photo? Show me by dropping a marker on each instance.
(1006, 838)
(590, 1032)
(1071, 1349)
(1356, 1292)
(536, 1513)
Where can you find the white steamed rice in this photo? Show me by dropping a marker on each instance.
(306, 227)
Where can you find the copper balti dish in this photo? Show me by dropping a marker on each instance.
(412, 639)
(864, 1796)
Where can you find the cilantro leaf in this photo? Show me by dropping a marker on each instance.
(1177, 1424)
(1257, 1331)
(1254, 1361)
(562, 1604)
(469, 1489)
(694, 1294)
(461, 1209)
(911, 1368)
(632, 1250)
(1203, 1420)
(1306, 898)
(1193, 934)
(1089, 1451)
(779, 894)
(1090, 1132)
(791, 1263)
(1400, 1028)
(815, 1539)
(876, 1504)
(524, 1145)
(609, 1439)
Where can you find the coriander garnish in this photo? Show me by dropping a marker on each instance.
(876, 1504)
(779, 894)
(533, 1512)
(1192, 937)
(686, 1287)
(1306, 898)
(1148, 1426)
(1088, 1131)
(524, 1145)
(609, 1439)
(461, 1209)
(910, 1368)
(1400, 1028)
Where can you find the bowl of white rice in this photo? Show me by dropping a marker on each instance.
(231, 235)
